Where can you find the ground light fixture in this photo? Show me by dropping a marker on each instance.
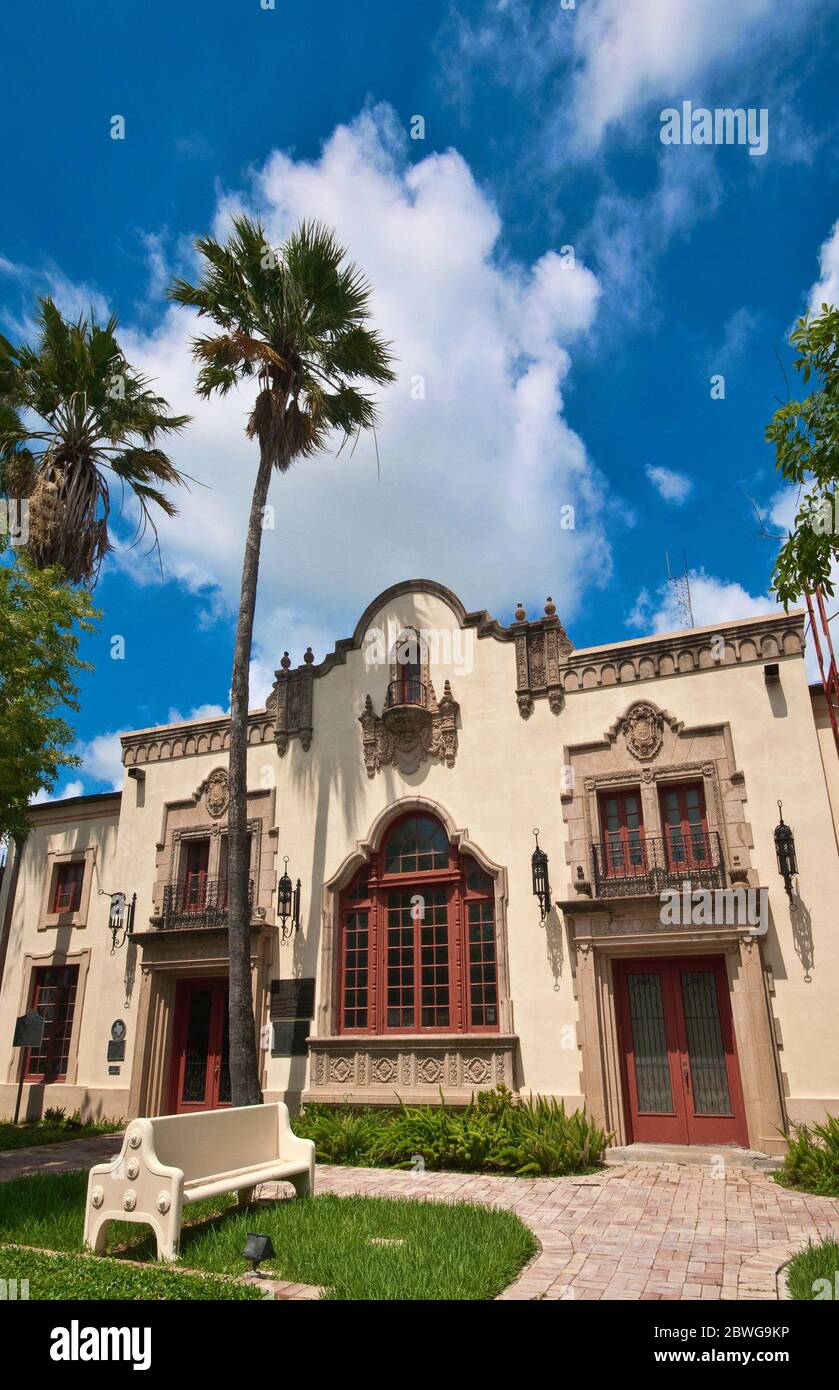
(288, 905)
(541, 882)
(257, 1248)
(785, 850)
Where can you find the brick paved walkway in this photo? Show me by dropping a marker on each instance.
(640, 1231)
(59, 1158)
(635, 1232)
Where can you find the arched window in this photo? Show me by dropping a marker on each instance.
(417, 951)
(408, 675)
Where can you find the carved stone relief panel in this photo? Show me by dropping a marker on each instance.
(290, 702)
(405, 736)
(540, 648)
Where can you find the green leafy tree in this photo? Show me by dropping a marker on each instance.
(293, 322)
(75, 420)
(42, 620)
(806, 438)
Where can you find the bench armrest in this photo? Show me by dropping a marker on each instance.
(138, 1148)
(291, 1148)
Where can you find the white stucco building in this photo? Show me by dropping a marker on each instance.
(402, 778)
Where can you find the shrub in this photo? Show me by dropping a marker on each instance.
(813, 1274)
(495, 1133)
(53, 1115)
(811, 1161)
(341, 1134)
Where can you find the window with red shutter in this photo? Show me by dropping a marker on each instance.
(67, 887)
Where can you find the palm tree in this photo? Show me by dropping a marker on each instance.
(73, 412)
(294, 320)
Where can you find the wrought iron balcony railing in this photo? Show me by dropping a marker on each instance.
(197, 902)
(648, 863)
(407, 691)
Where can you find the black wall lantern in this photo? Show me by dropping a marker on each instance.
(785, 850)
(120, 917)
(288, 905)
(541, 882)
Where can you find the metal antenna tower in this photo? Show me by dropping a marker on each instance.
(680, 584)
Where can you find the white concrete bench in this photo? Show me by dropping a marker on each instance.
(168, 1162)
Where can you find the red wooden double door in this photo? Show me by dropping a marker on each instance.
(680, 1070)
(200, 1074)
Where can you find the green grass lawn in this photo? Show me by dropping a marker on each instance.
(25, 1136)
(77, 1277)
(813, 1263)
(367, 1248)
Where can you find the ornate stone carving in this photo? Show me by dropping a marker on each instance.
(525, 704)
(540, 647)
(216, 793)
(643, 728)
(405, 736)
(380, 1067)
(290, 703)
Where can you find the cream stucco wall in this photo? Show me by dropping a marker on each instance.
(507, 778)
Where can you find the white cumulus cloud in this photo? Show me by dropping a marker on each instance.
(476, 458)
(826, 288)
(671, 486)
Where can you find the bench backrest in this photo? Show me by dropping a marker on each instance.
(217, 1141)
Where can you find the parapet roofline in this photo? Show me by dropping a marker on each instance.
(690, 633)
(91, 799)
(487, 627)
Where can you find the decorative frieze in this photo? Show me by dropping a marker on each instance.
(190, 740)
(384, 1069)
(698, 649)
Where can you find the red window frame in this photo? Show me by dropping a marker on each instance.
(196, 866)
(686, 838)
(624, 843)
(440, 963)
(67, 886)
(408, 670)
(53, 994)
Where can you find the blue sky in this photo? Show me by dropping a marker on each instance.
(549, 378)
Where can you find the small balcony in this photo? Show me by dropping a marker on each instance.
(196, 902)
(647, 864)
(410, 690)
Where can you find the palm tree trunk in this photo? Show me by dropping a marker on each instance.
(244, 1064)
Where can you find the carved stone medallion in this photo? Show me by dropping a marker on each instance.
(643, 727)
(216, 793)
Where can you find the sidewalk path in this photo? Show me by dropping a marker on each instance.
(638, 1231)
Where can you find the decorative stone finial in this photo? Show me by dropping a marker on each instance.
(308, 656)
(550, 607)
(521, 616)
(286, 661)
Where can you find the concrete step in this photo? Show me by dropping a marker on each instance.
(702, 1155)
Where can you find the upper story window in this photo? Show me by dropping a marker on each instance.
(418, 939)
(54, 996)
(196, 866)
(622, 826)
(685, 824)
(67, 887)
(408, 670)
